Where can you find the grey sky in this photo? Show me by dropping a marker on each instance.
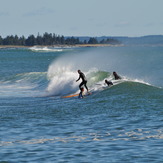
(81, 17)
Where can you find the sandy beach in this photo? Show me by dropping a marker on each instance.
(77, 45)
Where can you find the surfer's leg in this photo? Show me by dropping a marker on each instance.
(81, 85)
(86, 85)
(81, 93)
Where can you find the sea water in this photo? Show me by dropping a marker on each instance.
(122, 123)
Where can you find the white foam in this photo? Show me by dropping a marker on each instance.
(45, 49)
(62, 80)
(115, 135)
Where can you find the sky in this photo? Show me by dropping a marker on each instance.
(132, 18)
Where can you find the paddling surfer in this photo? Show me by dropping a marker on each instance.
(84, 81)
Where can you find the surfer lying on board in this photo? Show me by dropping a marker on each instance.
(108, 82)
(116, 76)
(84, 80)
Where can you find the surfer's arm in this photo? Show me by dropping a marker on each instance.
(78, 79)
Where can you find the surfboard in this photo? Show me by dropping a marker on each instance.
(74, 95)
(68, 96)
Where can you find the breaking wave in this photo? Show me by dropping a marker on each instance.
(48, 49)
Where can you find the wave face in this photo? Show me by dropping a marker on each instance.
(60, 82)
(136, 64)
(23, 85)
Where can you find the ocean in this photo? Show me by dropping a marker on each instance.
(121, 123)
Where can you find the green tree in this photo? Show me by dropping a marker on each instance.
(92, 40)
(30, 41)
(39, 40)
(1, 40)
(22, 40)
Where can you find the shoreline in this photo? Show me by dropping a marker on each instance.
(62, 46)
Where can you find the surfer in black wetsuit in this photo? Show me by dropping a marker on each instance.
(108, 82)
(84, 81)
(116, 76)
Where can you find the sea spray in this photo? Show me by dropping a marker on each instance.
(135, 63)
(97, 64)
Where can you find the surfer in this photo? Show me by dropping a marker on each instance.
(84, 81)
(116, 76)
(108, 82)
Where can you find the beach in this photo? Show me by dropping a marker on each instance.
(77, 45)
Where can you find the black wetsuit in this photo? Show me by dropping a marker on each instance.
(116, 76)
(108, 82)
(84, 80)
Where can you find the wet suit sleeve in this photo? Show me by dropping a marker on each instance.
(78, 78)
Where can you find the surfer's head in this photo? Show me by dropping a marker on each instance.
(114, 73)
(79, 71)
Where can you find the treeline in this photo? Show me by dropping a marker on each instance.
(52, 39)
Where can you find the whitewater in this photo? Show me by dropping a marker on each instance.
(121, 123)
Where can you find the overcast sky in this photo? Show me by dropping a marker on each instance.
(81, 17)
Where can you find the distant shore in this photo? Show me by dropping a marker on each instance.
(12, 46)
(77, 45)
